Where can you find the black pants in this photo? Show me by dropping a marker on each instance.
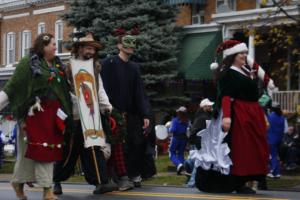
(135, 145)
(1, 154)
(74, 148)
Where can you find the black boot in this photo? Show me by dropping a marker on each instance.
(137, 184)
(262, 185)
(104, 188)
(245, 190)
(57, 189)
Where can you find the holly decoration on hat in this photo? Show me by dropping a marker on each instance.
(122, 31)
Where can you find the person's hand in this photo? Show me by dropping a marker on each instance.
(146, 123)
(107, 112)
(226, 123)
(35, 107)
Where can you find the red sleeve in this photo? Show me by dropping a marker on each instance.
(226, 106)
(266, 80)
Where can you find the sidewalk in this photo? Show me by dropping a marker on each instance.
(5, 177)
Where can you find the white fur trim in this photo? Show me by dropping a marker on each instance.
(250, 61)
(238, 70)
(235, 49)
(261, 73)
(214, 66)
(61, 114)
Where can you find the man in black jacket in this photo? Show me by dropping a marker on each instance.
(203, 114)
(291, 148)
(125, 89)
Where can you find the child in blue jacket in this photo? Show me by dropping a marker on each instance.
(179, 140)
(275, 135)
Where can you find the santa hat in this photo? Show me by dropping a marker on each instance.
(229, 47)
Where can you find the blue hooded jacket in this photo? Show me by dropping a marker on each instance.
(276, 129)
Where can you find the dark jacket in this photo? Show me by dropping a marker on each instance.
(198, 125)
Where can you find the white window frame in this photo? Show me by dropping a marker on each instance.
(26, 42)
(41, 28)
(233, 6)
(199, 15)
(10, 48)
(4, 49)
(258, 3)
(59, 35)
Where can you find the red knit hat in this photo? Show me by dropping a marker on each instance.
(229, 47)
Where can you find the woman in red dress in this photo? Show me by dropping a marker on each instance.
(242, 116)
(38, 95)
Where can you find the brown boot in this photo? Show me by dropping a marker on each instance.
(49, 195)
(19, 190)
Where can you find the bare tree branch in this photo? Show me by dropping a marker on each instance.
(280, 7)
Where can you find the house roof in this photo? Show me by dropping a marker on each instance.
(198, 52)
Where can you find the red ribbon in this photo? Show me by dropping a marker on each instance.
(113, 123)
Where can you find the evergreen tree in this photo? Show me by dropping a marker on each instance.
(158, 41)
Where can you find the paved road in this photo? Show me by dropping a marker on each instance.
(76, 192)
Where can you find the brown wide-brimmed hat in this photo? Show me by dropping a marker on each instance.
(88, 39)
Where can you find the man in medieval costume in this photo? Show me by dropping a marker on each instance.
(125, 89)
(93, 159)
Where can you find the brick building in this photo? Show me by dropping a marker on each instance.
(208, 22)
(22, 21)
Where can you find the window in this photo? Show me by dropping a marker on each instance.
(11, 48)
(197, 14)
(267, 3)
(59, 36)
(225, 5)
(41, 28)
(26, 42)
